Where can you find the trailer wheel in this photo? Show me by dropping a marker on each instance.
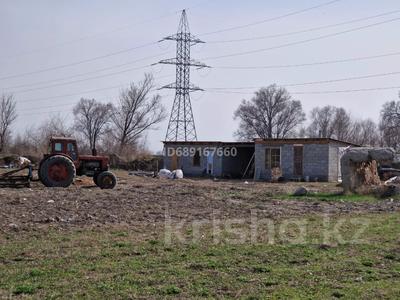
(57, 171)
(106, 180)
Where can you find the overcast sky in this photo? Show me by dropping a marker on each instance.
(45, 35)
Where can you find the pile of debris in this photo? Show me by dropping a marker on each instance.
(163, 173)
(14, 178)
(362, 172)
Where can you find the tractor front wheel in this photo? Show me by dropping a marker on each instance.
(106, 180)
(57, 171)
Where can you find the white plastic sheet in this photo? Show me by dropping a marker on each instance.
(164, 173)
(175, 174)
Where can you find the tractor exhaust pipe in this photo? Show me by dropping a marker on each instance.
(94, 152)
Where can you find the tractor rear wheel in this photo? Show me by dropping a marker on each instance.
(106, 180)
(57, 171)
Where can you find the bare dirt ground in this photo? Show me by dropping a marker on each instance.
(143, 202)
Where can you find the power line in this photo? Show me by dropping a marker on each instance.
(80, 93)
(51, 106)
(218, 89)
(85, 79)
(86, 73)
(138, 47)
(318, 92)
(315, 82)
(345, 79)
(73, 41)
(78, 62)
(302, 41)
(221, 67)
(273, 18)
(149, 57)
(47, 112)
(73, 94)
(326, 62)
(93, 36)
(66, 104)
(80, 80)
(348, 90)
(305, 30)
(58, 105)
(293, 93)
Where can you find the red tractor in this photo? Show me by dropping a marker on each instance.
(63, 163)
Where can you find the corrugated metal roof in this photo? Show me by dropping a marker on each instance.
(303, 141)
(62, 138)
(265, 141)
(208, 143)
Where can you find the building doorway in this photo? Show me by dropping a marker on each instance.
(298, 160)
(210, 163)
(341, 152)
(174, 161)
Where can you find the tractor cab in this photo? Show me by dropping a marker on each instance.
(63, 145)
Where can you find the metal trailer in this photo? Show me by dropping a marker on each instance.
(14, 180)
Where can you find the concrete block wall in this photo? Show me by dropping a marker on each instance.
(260, 173)
(287, 161)
(334, 162)
(316, 161)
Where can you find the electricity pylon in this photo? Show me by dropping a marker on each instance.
(181, 125)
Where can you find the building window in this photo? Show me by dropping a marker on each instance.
(71, 151)
(272, 158)
(196, 159)
(57, 147)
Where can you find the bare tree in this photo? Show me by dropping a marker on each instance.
(8, 114)
(342, 124)
(331, 122)
(91, 119)
(271, 113)
(390, 124)
(365, 133)
(321, 122)
(137, 112)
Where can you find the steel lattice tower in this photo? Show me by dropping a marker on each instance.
(181, 125)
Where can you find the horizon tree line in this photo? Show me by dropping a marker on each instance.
(271, 113)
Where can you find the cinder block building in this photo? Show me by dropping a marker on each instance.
(314, 159)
